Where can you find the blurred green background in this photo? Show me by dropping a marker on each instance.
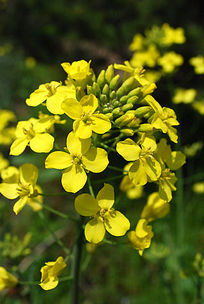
(35, 37)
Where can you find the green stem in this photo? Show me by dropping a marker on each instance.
(28, 282)
(107, 147)
(116, 169)
(53, 194)
(90, 186)
(77, 253)
(108, 179)
(58, 241)
(65, 216)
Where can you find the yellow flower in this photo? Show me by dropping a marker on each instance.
(85, 119)
(21, 184)
(145, 167)
(137, 43)
(7, 280)
(50, 273)
(198, 64)
(173, 159)
(79, 72)
(3, 162)
(199, 106)
(169, 61)
(7, 134)
(126, 185)
(81, 157)
(147, 57)
(54, 94)
(166, 184)
(33, 133)
(172, 35)
(183, 95)
(163, 119)
(155, 208)
(104, 216)
(198, 187)
(140, 239)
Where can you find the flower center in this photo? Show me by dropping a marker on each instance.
(30, 133)
(24, 190)
(51, 89)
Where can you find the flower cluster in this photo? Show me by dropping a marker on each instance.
(113, 112)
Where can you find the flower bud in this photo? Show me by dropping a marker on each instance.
(96, 89)
(101, 79)
(112, 95)
(109, 73)
(127, 107)
(141, 111)
(115, 82)
(145, 127)
(128, 132)
(132, 99)
(103, 98)
(124, 99)
(105, 89)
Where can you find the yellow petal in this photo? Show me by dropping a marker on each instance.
(9, 190)
(82, 129)
(10, 175)
(116, 223)
(137, 173)
(28, 174)
(128, 149)
(94, 230)
(89, 103)
(95, 160)
(54, 104)
(105, 197)
(36, 202)
(176, 160)
(20, 204)
(152, 168)
(18, 146)
(38, 96)
(72, 108)
(86, 205)
(50, 283)
(100, 123)
(77, 146)
(58, 160)
(74, 178)
(42, 143)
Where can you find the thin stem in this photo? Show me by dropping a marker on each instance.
(65, 216)
(67, 278)
(108, 179)
(28, 282)
(90, 186)
(77, 253)
(58, 241)
(116, 169)
(107, 147)
(53, 194)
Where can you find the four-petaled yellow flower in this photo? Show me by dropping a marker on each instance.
(140, 239)
(79, 72)
(54, 94)
(34, 134)
(145, 166)
(126, 185)
(81, 157)
(104, 216)
(21, 184)
(86, 120)
(7, 280)
(163, 119)
(155, 207)
(50, 273)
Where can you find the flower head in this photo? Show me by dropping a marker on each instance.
(32, 132)
(80, 157)
(21, 184)
(50, 273)
(140, 239)
(7, 280)
(104, 216)
(79, 71)
(86, 120)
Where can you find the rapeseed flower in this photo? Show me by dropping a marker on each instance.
(7, 280)
(184, 96)
(145, 167)
(21, 184)
(140, 238)
(79, 72)
(54, 94)
(86, 120)
(79, 158)
(104, 216)
(198, 64)
(166, 184)
(33, 133)
(50, 273)
(155, 207)
(172, 35)
(169, 61)
(126, 185)
(7, 134)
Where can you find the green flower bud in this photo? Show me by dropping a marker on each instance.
(105, 110)
(132, 99)
(115, 82)
(124, 99)
(145, 127)
(89, 89)
(127, 107)
(105, 89)
(135, 92)
(148, 89)
(109, 115)
(124, 119)
(128, 132)
(103, 98)
(101, 79)
(116, 111)
(140, 112)
(109, 74)
(115, 103)
(112, 95)
(96, 89)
